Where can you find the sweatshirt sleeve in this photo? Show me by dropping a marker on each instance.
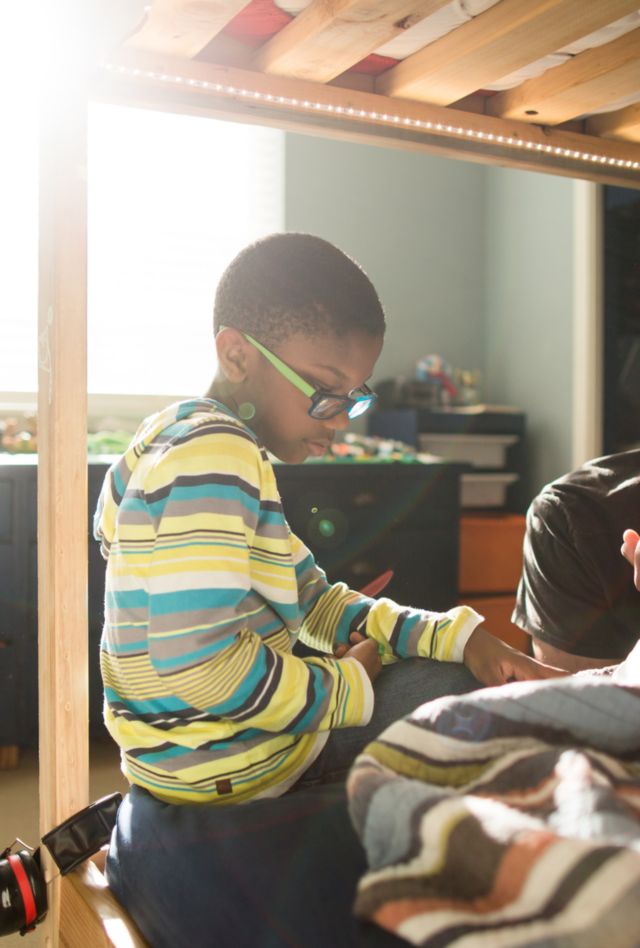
(222, 596)
(333, 612)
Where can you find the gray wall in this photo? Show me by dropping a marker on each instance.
(416, 224)
(472, 262)
(529, 310)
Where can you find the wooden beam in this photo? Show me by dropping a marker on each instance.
(183, 27)
(623, 124)
(508, 36)
(205, 89)
(588, 81)
(327, 37)
(90, 915)
(62, 465)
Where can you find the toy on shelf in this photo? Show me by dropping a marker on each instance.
(19, 435)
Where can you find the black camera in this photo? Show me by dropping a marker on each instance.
(23, 890)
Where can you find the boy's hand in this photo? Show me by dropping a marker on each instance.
(363, 650)
(495, 663)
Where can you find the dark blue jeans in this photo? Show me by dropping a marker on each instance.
(278, 873)
(399, 689)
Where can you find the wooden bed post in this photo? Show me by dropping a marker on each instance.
(62, 466)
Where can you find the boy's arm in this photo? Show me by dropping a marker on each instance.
(213, 636)
(336, 617)
(333, 613)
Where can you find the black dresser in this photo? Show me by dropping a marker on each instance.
(359, 520)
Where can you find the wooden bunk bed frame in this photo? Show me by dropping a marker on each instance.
(179, 55)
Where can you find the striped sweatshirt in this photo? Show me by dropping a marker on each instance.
(206, 592)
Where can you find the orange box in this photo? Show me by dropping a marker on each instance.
(490, 552)
(497, 615)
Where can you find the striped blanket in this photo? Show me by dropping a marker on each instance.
(509, 816)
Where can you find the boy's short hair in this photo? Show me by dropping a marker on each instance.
(296, 283)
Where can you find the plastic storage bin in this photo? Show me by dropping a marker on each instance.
(477, 449)
(485, 490)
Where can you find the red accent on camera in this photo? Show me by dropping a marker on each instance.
(25, 889)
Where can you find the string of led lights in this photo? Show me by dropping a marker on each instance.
(386, 118)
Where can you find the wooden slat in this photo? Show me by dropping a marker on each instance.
(336, 113)
(588, 81)
(62, 488)
(90, 915)
(623, 124)
(62, 462)
(183, 27)
(326, 38)
(508, 36)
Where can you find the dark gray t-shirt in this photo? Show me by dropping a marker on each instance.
(576, 591)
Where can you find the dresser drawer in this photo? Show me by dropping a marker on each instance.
(497, 612)
(490, 552)
(423, 564)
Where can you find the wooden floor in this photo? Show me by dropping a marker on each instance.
(19, 809)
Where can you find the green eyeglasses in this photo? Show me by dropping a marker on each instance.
(324, 405)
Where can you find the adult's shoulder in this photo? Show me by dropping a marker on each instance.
(612, 474)
(601, 496)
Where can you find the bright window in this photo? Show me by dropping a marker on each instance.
(171, 199)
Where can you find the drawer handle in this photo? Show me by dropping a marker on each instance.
(364, 499)
(361, 568)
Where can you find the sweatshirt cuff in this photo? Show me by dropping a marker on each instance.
(366, 696)
(465, 620)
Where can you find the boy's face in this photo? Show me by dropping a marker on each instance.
(335, 364)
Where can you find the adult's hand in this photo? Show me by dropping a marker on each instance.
(631, 552)
(493, 662)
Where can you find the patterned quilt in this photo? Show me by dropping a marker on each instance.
(506, 817)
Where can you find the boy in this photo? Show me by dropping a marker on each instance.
(207, 589)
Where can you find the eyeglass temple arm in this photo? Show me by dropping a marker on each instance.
(282, 367)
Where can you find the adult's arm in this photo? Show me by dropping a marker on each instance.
(336, 615)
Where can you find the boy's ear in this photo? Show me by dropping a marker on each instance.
(232, 354)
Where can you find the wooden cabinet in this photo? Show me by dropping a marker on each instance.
(490, 568)
(359, 520)
(18, 598)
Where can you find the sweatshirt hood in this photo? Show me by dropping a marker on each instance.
(154, 433)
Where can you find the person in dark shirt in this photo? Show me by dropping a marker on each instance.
(576, 598)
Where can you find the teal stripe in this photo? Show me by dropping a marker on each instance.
(193, 600)
(163, 705)
(196, 492)
(127, 599)
(119, 484)
(408, 625)
(170, 754)
(121, 648)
